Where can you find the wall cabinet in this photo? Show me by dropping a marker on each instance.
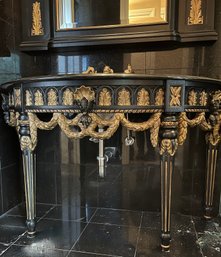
(62, 24)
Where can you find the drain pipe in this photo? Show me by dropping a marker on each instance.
(101, 158)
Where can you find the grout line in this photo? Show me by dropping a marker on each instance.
(91, 222)
(81, 233)
(13, 243)
(42, 217)
(97, 254)
(138, 234)
(196, 234)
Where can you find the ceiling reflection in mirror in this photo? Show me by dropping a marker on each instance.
(72, 14)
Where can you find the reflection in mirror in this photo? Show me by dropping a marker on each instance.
(77, 13)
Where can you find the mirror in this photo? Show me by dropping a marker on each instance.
(73, 14)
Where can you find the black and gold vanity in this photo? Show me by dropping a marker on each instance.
(83, 104)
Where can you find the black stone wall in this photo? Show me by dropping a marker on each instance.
(10, 179)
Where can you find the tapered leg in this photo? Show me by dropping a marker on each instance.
(168, 147)
(30, 194)
(166, 189)
(28, 140)
(210, 179)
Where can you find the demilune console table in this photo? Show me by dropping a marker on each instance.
(82, 104)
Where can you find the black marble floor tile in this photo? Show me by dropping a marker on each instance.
(108, 239)
(9, 235)
(20, 210)
(151, 219)
(84, 254)
(210, 243)
(16, 221)
(54, 234)
(202, 225)
(2, 249)
(33, 251)
(69, 212)
(182, 244)
(117, 217)
(182, 223)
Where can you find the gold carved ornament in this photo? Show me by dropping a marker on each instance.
(27, 142)
(159, 97)
(105, 97)
(124, 97)
(68, 97)
(214, 136)
(52, 97)
(129, 69)
(66, 125)
(143, 97)
(175, 96)
(192, 97)
(195, 15)
(183, 123)
(17, 97)
(37, 29)
(28, 98)
(203, 98)
(84, 92)
(168, 146)
(90, 70)
(38, 96)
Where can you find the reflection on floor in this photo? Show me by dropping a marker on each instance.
(100, 217)
(65, 230)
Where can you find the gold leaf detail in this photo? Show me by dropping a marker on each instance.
(168, 146)
(68, 97)
(17, 97)
(39, 98)
(159, 98)
(37, 29)
(195, 16)
(175, 96)
(84, 92)
(143, 97)
(28, 98)
(124, 97)
(203, 98)
(105, 97)
(52, 97)
(129, 69)
(192, 98)
(107, 69)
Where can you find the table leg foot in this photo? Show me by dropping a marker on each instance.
(31, 226)
(165, 241)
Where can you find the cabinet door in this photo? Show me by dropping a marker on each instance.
(196, 20)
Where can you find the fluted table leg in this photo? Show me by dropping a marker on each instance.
(29, 170)
(210, 179)
(168, 147)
